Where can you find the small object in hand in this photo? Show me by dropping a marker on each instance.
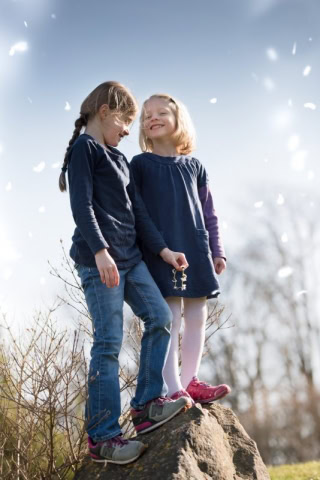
(183, 280)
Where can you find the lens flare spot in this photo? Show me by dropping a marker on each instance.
(39, 168)
(285, 272)
(272, 54)
(306, 71)
(18, 47)
(298, 161)
(310, 105)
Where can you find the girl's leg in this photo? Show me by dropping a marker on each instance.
(106, 309)
(171, 370)
(146, 301)
(195, 316)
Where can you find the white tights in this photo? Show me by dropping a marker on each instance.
(195, 315)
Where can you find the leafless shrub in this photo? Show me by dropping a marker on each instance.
(42, 392)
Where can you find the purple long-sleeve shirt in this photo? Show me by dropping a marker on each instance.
(211, 222)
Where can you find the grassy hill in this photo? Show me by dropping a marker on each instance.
(301, 471)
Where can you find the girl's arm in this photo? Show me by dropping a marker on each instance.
(146, 229)
(211, 220)
(80, 176)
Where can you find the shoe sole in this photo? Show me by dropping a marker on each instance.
(119, 462)
(158, 424)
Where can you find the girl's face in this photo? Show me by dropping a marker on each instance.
(159, 119)
(115, 127)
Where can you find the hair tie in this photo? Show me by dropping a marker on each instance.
(64, 169)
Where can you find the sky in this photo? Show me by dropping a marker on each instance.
(248, 71)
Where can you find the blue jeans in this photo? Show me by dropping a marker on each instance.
(138, 289)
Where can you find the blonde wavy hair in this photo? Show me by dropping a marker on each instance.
(184, 137)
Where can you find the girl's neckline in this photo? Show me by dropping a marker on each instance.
(108, 148)
(167, 160)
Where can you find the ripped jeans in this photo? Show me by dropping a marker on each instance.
(138, 289)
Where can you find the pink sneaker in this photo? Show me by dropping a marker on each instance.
(202, 392)
(182, 393)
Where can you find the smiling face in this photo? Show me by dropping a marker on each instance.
(159, 120)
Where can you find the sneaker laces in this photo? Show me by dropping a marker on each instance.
(162, 400)
(119, 440)
(198, 382)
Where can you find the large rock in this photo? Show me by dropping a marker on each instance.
(201, 444)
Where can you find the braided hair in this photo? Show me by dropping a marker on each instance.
(119, 100)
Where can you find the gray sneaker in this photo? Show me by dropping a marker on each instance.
(116, 450)
(158, 412)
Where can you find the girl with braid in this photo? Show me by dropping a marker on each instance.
(107, 211)
(180, 205)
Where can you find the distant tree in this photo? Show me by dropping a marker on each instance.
(272, 356)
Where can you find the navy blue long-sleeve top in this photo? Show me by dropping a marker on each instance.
(177, 198)
(106, 207)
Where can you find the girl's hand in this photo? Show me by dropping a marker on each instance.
(107, 268)
(219, 265)
(176, 259)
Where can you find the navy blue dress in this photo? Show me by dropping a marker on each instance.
(169, 187)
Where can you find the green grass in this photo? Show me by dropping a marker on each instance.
(300, 471)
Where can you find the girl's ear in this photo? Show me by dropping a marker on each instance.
(103, 111)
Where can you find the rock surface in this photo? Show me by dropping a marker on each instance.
(201, 444)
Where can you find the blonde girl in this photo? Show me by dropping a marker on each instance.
(175, 190)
